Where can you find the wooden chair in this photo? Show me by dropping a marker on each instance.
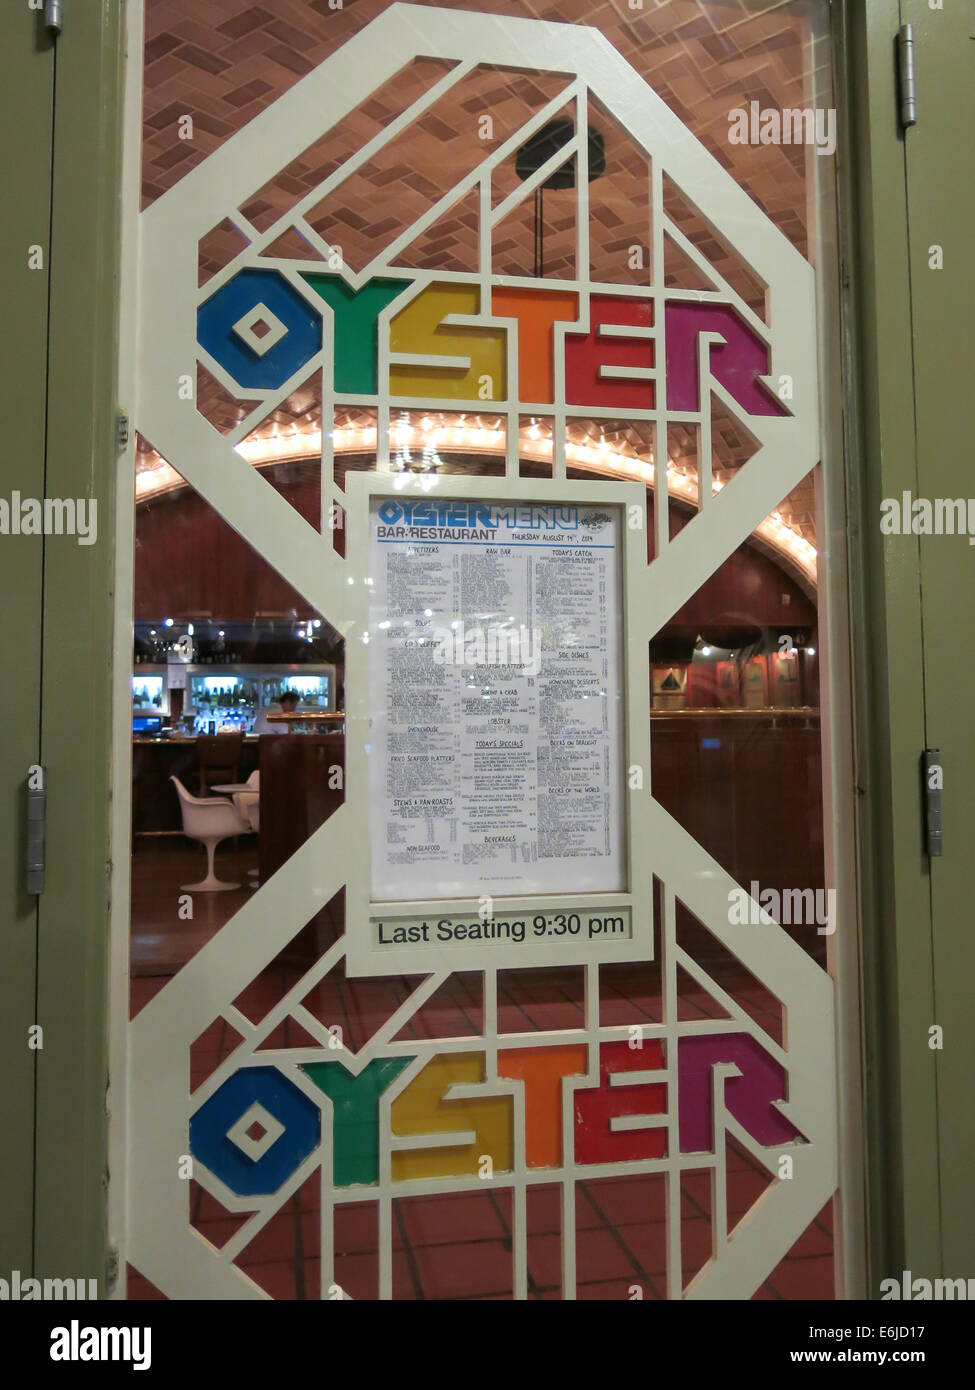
(218, 758)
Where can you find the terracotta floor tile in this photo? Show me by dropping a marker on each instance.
(813, 1241)
(744, 1190)
(599, 1257)
(544, 1209)
(139, 1289)
(218, 1232)
(695, 1186)
(404, 1286)
(618, 1290)
(464, 1270)
(356, 1227)
(632, 1199)
(800, 1279)
(696, 1247)
(358, 1275)
(275, 1241)
(647, 1242)
(440, 1220)
(545, 1261)
(276, 1278)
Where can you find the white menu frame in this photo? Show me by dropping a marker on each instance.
(635, 903)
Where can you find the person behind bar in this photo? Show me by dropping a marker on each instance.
(287, 704)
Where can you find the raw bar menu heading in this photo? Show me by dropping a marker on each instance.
(495, 746)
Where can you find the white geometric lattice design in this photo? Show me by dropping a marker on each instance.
(161, 1243)
(255, 1146)
(260, 343)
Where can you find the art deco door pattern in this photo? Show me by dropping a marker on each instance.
(546, 1107)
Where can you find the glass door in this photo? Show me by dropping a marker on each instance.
(487, 359)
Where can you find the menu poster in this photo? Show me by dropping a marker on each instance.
(495, 759)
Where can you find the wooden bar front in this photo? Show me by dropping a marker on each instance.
(296, 799)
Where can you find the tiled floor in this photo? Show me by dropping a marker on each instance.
(451, 1246)
(163, 940)
(458, 1247)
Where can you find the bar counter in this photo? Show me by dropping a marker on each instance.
(155, 805)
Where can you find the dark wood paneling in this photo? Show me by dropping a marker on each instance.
(295, 800)
(295, 794)
(189, 563)
(749, 589)
(750, 792)
(155, 805)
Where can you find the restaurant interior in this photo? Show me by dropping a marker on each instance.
(219, 636)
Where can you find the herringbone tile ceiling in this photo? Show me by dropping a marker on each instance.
(223, 61)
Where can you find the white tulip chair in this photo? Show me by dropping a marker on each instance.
(208, 819)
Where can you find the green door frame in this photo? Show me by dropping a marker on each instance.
(908, 331)
(26, 224)
(70, 1174)
(62, 180)
(904, 1185)
(886, 626)
(941, 211)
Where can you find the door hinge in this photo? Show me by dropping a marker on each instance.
(906, 77)
(53, 16)
(933, 774)
(111, 1270)
(36, 827)
(121, 431)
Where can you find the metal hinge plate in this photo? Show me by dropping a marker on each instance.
(121, 432)
(111, 1270)
(906, 76)
(933, 773)
(36, 829)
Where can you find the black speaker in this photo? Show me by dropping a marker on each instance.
(548, 141)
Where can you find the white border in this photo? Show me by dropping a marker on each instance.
(152, 1230)
(364, 956)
